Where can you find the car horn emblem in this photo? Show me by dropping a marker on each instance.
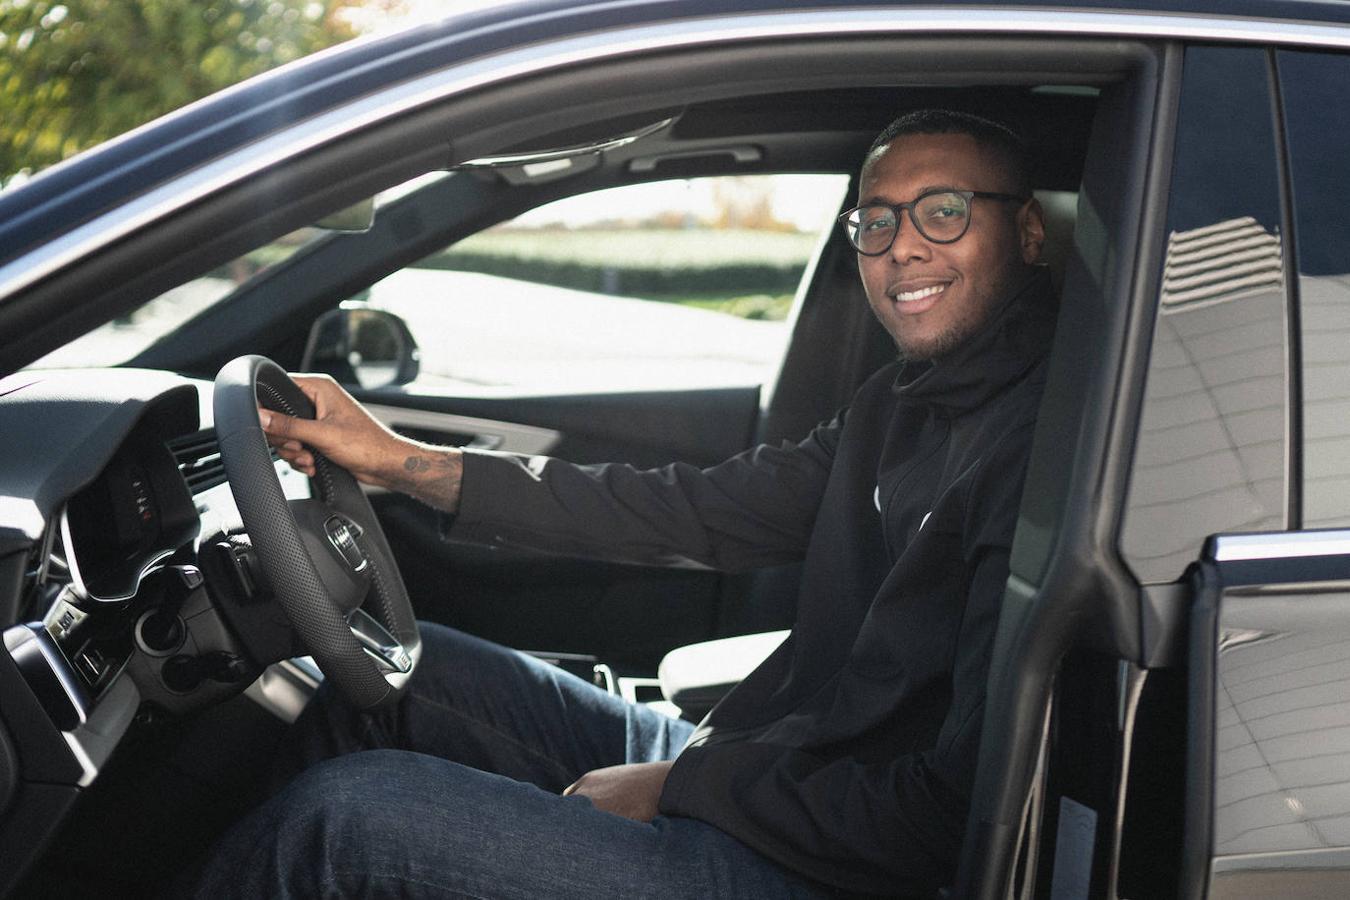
(342, 535)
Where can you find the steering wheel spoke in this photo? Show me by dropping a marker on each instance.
(378, 643)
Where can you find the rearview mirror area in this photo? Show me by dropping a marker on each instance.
(357, 218)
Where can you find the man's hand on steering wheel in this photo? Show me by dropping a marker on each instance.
(324, 557)
(344, 432)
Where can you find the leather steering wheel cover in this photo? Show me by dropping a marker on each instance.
(241, 385)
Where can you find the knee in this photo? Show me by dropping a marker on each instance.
(451, 654)
(456, 665)
(339, 797)
(335, 821)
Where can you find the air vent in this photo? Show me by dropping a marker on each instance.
(198, 458)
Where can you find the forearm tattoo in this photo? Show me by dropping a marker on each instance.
(433, 476)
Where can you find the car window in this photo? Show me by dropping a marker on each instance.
(668, 285)
(1211, 450)
(121, 339)
(1318, 130)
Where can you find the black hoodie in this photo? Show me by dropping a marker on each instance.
(849, 754)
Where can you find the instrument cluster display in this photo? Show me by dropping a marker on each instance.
(135, 513)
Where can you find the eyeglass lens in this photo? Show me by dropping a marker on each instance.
(942, 217)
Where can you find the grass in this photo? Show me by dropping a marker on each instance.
(747, 273)
(754, 306)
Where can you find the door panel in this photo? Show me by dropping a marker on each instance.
(628, 616)
(450, 430)
(1317, 133)
(1270, 738)
(651, 428)
(1279, 708)
(1212, 441)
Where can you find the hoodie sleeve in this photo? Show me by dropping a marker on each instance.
(755, 509)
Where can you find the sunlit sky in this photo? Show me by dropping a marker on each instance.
(808, 202)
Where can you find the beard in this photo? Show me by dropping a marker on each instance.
(973, 315)
(921, 345)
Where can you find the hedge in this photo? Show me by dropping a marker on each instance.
(638, 262)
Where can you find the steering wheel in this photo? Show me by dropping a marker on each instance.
(324, 556)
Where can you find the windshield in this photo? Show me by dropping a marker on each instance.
(124, 337)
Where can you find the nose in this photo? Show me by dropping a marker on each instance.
(909, 245)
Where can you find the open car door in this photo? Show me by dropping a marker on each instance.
(1168, 712)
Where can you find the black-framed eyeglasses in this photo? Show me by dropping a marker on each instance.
(941, 216)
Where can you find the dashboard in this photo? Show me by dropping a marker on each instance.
(125, 576)
(135, 513)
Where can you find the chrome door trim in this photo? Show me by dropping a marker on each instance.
(510, 437)
(1280, 545)
(1317, 858)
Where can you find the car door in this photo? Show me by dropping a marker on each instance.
(1210, 452)
(1196, 739)
(1269, 741)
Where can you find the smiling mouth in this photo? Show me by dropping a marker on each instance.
(921, 293)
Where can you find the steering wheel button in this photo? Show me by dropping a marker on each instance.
(340, 535)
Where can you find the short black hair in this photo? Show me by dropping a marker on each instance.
(987, 133)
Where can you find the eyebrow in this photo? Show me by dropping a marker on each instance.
(877, 198)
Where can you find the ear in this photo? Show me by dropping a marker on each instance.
(1031, 230)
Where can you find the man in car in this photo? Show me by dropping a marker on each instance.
(846, 760)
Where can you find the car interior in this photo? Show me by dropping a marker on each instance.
(196, 757)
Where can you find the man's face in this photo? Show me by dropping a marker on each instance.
(931, 297)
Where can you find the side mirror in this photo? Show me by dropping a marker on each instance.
(357, 345)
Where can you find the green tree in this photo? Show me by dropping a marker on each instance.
(74, 73)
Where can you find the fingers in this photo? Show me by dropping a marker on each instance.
(285, 434)
(297, 457)
(284, 427)
(303, 463)
(341, 430)
(323, 392)
(311, 384)
(292, 451)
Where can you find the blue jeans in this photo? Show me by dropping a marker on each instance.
(454, 792)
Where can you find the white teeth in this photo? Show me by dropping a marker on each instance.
(906, 296)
